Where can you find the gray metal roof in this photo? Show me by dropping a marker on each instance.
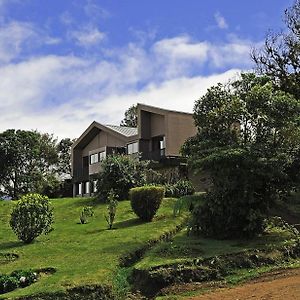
(126, 131)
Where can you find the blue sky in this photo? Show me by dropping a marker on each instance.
(66, 63)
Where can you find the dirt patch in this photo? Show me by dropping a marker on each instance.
(272, 286)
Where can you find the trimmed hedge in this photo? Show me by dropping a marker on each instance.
(145, 201)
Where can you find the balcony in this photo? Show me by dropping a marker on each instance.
(81, 175)
(155, 155)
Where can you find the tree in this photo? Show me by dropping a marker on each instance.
(64, 157)
(120, 173)
(27, 158)
(280, 56)
(248, 139)
(130, 117)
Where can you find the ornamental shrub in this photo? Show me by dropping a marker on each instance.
(8, 283)
(181, 188)
(86, 212)
(32, 216)
(120, 173)
(112, 204)
(145, 201)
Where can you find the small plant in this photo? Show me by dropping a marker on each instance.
(32, 216)
(86, 213)
(16, 279)
(112, 204)
(181, 188)
(145, 201)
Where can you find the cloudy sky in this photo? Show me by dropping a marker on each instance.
(64, 64)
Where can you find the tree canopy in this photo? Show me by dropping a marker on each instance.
(130, 117)
(280, 56)
(32, 162)
(248, 141)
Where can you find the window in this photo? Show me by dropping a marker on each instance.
(87, 187)
(162, 143)
(94, 158)
(133, 148)
(79, 189)
(102, 155)
(95, 186)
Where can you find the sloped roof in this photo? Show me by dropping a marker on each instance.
(127, 131)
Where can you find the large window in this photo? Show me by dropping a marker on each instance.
(133, 148)
(102, 155)
(94, 158)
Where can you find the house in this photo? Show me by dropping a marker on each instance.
(158, 137)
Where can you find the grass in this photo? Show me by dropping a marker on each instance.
(81, 254)
(186, 248)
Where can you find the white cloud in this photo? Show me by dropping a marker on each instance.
(87, 36)
(221, 22)
(13, 36)
(64, 94)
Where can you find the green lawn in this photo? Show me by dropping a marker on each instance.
(81, 254)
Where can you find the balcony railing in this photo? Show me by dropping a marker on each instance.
(81, 175)
(156, 155)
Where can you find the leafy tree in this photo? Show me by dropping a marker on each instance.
(280, 56)
(248, 139)
(130, 118)
(32, 216)
(120, 173)
(64, 157)
(26, 159)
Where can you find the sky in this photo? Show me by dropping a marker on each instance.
(64, 64)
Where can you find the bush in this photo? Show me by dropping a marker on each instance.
(8, 283)
(182, 188)
(20, 278)
(31, 217)
(112, 204)
(145, 201)
(86, 212)
(120, 173)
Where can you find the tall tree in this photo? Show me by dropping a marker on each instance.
(248, 139)
(130, 117)
(280, 56)
(27, 158)
(64, 157)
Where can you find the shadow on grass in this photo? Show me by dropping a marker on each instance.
(128, 223)
(10, 245)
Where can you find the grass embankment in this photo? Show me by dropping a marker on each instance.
(185, 251)
(81, 254)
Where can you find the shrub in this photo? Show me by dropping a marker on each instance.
(145, 201)
(31, 217)
(8, 283)
(120, 173)
(112, 204)
(86, 212)
(20, 278)
(182, 188)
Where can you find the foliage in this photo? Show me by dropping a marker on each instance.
(64, 155)
(279, 58)
(26, 159)
(145, 201)
(130, 118)
(20, 278)
(120, 173)
(181, 188)
(86, 213)
(8, 283)
(32, 216)
(112, 204)
(187, 203)
(83, 255)
(248, 139)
